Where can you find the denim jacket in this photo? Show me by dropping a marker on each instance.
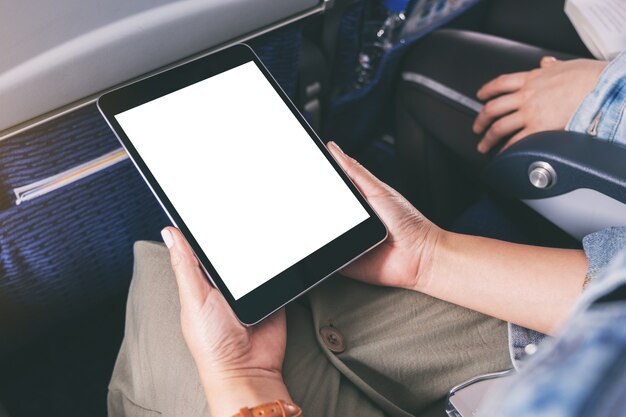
(582, 371)
(601, 114)
(600, 248)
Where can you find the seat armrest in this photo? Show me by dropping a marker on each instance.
(580, 181)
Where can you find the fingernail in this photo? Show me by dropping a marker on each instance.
(289, 407)
(549, 58)
(168, 239)
(481, 148)
(334, 145)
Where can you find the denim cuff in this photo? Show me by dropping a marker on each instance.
(601, 247)
(601, 114)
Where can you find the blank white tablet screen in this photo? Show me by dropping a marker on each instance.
(243, 174)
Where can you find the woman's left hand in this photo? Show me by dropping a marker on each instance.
(239, 366)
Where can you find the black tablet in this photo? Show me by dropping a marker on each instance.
(266, 209)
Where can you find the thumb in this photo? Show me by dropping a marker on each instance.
(369, 185)
(548, 61)
(193, 287)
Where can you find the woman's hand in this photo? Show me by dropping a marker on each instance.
(543, 99)
(531, 286)
(404, 260)
(238, 366)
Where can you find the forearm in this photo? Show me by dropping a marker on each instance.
(530, 286)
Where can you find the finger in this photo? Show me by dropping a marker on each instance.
(369, 185)
(494, 109)
(522, 134)
(547, 61)
(506, 83)
(500, 129)
(193, 286)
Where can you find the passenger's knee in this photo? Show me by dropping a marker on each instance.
(153, 280)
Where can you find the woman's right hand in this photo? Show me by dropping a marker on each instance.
(524, 103)
(534, 287)
(404, 259)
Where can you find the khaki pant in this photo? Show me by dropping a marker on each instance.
(403, 350)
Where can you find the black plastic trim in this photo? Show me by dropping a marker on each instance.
(580, 161)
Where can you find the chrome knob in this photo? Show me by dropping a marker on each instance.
(541, 175)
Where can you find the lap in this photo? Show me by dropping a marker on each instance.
(156, 375)
(403, 350)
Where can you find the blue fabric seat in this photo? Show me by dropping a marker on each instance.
(70, 249)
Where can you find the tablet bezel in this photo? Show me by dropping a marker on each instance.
(300, 277)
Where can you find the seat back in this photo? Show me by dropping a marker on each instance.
(61, 52)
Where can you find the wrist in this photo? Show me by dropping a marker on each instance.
(429, 259)
(227, 393)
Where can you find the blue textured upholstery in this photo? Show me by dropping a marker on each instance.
(72, 248)
(279, 51)
(348, 46)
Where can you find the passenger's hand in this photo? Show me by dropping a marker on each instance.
(238, 366)
(404, 260)
(523, 103)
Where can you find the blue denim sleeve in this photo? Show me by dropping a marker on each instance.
(582, 371)
(600, 247)
(601, 113)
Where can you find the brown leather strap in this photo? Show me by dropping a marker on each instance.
(277, 408)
